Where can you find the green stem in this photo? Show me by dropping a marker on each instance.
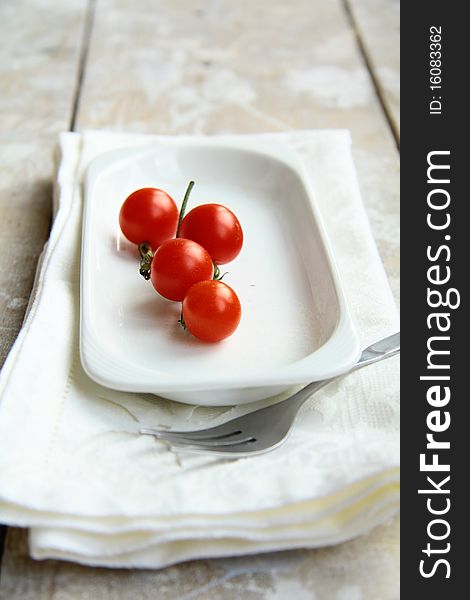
(181, 321)
(146, 256)
(217, 275)
(183, 206)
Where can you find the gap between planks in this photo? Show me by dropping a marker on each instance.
(87, 31)
(375, 80)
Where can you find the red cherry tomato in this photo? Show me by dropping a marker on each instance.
(216, 228)
(148, 215)
(211, 310)
(177, 265)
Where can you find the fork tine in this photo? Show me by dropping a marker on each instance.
(183, 437)
(218, 432)
(249, 448)
(210, 443)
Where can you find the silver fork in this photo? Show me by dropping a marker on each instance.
(266, 428)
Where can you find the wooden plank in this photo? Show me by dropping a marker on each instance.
(187, 67)
(41, 41)
(39, 57)
(25, 209)
(363, 568)
(378, 27)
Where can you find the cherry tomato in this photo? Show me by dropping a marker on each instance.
(216, 228)
(148, 215)
(177, 265)
(211, 310)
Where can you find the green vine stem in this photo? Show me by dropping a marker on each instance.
(217, 274)
(181, 321)
(183, 206)
(146, 256)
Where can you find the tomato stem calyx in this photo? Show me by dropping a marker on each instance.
(181, 321)
(146, 256)
(217, 275)
(183, 206)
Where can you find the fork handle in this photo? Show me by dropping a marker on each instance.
(385, 348)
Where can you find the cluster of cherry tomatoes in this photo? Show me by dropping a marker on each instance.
(181, 255)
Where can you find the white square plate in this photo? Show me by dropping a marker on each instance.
(295, 325)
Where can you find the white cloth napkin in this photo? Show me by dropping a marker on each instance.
(74, 469)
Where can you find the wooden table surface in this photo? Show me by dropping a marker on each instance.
(186, 66)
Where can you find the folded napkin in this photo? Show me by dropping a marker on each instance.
(74, 468)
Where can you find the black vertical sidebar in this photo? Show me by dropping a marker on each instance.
(435, 251)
